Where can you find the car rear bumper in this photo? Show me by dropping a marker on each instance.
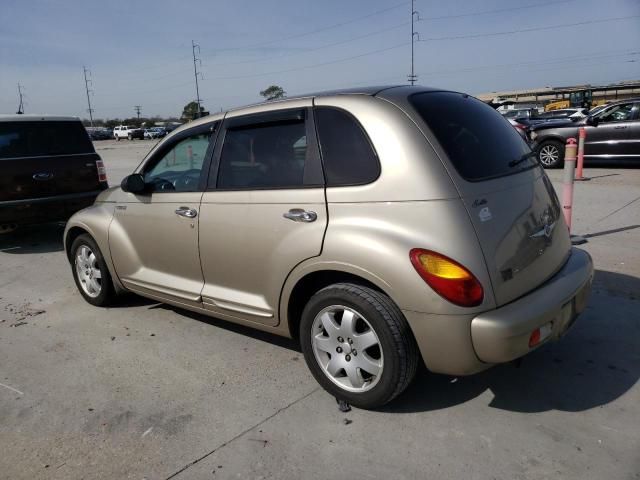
(45, 209)
(504, 334)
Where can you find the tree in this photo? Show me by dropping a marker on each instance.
(190, 111)
(273, 92)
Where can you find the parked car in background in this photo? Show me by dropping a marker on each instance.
(520, 128)
(124, 131)
(613, 133)
(48, 169)
(520, 113)
(572, 113)
(376, 226)
(99, 133)
(154, 132)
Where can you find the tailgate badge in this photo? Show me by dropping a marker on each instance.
(548, 224)
(485, 214)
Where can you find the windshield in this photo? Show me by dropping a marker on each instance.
(479, 142)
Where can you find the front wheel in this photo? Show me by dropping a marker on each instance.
(358, 345)
(90, 272)
(551, 154)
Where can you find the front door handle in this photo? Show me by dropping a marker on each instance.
(620, 127)
(187, 212)
(300, 215)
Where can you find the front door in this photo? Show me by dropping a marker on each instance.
(610, 138)
(154, 236)
(263, 214)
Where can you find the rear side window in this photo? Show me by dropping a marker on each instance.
(478, 141)
(36, 139)
(347, 154)
(270, 155)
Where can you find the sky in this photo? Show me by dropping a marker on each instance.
(139, 52)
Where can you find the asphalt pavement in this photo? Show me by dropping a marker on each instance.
(144, 390)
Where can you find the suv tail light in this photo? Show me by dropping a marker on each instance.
(102, 172)
(447, 278)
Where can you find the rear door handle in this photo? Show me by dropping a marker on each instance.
(620, 127)
(300, 215)
(187, 212)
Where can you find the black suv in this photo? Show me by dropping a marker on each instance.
(48, 170)
(613, 133)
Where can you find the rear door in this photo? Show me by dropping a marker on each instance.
(46, 158)
(510, 200)
(263, 213)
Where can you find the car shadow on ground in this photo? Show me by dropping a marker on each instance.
(44, 238)
(234, 327)
(594, 364)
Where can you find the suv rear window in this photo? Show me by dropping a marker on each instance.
(478, 141)
(42, 138)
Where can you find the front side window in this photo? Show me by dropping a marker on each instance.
(617, 113)
(180, 168)
(270, 155)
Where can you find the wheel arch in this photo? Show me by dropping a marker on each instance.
(301, 287)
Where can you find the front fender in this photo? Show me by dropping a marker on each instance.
(95, 221)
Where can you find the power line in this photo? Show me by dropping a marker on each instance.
(21, 103)
(533, 29)
(306, 51)
(313, 65)
(500, 10)
(86, 86)
(312, 32)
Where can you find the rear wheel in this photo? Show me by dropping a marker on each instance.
(358, 344)
(551, 154)
(90, 272)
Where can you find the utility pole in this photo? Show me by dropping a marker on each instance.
(196, 73)
(21, 104)
(137, 108)
(87, 81)
(415, 16)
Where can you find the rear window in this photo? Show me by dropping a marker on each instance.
(478, 141)
(41, 138)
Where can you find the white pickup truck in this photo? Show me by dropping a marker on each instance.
(124, 131)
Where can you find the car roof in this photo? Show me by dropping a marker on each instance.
(35, 118)
(281, 103)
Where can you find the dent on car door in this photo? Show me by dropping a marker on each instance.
(264, 213)
(154, 236)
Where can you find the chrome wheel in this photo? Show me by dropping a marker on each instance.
(347, 348)
(549, 155)
(88, 271)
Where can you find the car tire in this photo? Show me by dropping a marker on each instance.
(551, 154)
(117, 138)
(87, 259)
(387, 359)
(130, 137)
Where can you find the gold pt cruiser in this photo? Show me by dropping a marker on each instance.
(378, 226)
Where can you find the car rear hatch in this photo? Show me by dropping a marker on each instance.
(510, 200)
(44, 158)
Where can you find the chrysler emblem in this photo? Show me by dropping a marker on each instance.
(544, 231)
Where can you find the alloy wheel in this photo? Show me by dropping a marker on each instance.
(347, 348)
(549, 155)
(88, 271)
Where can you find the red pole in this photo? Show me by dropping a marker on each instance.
(582, 135)
(569, 170)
